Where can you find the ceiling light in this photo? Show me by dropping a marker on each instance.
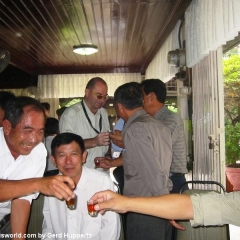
(85, 49)
(18, 34)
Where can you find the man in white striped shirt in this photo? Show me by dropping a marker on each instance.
(154, 93)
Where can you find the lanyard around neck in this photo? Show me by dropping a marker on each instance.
(100, 120)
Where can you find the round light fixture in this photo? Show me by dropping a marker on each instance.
(85, 49)
(177, 58)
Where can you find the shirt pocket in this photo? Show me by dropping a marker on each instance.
(91, 226)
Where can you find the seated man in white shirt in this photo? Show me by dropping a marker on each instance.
(68, 153)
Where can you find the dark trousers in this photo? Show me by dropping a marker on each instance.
(145, 227)
(178, 180)
(5, 227)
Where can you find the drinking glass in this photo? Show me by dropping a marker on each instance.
(97, 163)
(72, 203)
(91, 211)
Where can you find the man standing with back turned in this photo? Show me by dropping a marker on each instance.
(146, 161)
(89, 120)
(154, 95)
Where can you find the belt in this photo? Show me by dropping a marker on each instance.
(176, 174)
(4, 221)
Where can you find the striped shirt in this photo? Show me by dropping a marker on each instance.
(175, 124)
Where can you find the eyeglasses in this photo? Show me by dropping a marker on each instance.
(99, 96)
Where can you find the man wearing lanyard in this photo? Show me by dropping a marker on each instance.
(89, 120)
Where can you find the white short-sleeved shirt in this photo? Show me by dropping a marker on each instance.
(28, 166)
(63, 223)
(74, 120)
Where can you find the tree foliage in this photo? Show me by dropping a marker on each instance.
(232, 141)
(231, 72)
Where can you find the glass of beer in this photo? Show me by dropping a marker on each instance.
(91, 211)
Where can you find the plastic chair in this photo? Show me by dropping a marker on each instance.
(202, 232)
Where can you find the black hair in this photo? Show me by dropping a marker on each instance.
(156, 86)
(4, 97)
(129, 95)
(46, 105)
(51, 126)
(66, 138)
(92, 82)
(60, 111)
(14, 109)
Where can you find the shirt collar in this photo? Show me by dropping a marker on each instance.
(132, 118)
(82, 183)
(4, 146)
(88, 110)
(161, 113)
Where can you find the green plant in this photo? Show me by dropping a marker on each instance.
(172, 108)
(232, 141)
(231, 72)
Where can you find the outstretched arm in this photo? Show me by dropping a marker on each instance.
(171, 206)
(53, 186)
